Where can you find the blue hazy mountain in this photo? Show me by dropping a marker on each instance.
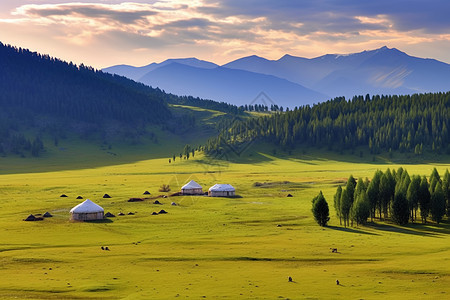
(380, 71)
(233, 86)
(206, 80)
(136, 73)
(292, 81)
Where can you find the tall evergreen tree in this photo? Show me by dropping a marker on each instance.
(446, 190)
(387, 190)
(337, 203)
(412, 195)
(320, 210)
(360, 188)
(400, 209)
(373, 192)
(346, 205)
(424, 199)
(437, 204)
(361, 208)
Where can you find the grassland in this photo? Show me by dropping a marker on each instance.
(214, 248)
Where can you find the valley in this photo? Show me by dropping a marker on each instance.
(243, 247)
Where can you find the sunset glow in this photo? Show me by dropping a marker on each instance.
(104, 33)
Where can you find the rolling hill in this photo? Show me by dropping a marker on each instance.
(48, 104)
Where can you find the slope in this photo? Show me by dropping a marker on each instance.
(66, 115)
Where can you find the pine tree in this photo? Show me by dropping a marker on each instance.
(361, 208)
(387, 190)
(424, 199)
(337, 203)
(446, 190)
(373, 191)
(320, 210)
(412, 195)
(400, 209)
(346, 205)
(437, 204)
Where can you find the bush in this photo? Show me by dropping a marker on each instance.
(164, 188)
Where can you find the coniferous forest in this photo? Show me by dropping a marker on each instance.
(394, 195)
(54, 97)
(411, 123)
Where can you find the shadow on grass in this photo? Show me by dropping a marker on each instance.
(100, 221)
(412, 229)
(351, 230)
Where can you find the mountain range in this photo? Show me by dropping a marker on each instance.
(294, 81)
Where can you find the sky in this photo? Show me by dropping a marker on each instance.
(109, 32)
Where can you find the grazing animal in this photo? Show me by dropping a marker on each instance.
(290, 279)
(337, 282)
(103, 248)
(106, 248)
(334, 250)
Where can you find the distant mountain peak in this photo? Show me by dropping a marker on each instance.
(377, 71)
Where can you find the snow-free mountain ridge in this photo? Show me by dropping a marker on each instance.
(293, 81)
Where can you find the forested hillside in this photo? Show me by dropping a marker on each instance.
(40, 83)
(41, 94)
(405, 123)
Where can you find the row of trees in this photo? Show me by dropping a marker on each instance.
(411, 123)
(393, 195)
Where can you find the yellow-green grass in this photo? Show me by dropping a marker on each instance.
(218, 248)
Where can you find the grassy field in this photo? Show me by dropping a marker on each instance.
(214, 248)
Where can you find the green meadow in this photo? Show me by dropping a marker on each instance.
(215, 248)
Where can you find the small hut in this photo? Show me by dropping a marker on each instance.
(192, 188)
(221, 190)
(87, 211)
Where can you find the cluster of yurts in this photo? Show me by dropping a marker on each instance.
(88, 210)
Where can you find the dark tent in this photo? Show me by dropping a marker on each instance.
(30, 218)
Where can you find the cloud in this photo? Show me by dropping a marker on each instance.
(225, 29)
(127, 13)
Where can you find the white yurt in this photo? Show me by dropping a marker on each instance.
(221, 190)
(87, 211)
(192, 188)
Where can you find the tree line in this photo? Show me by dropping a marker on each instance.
(409, 123)
(393, 195)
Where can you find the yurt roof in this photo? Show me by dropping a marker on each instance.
(86, 207)
(222, 188)
(191, 185)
